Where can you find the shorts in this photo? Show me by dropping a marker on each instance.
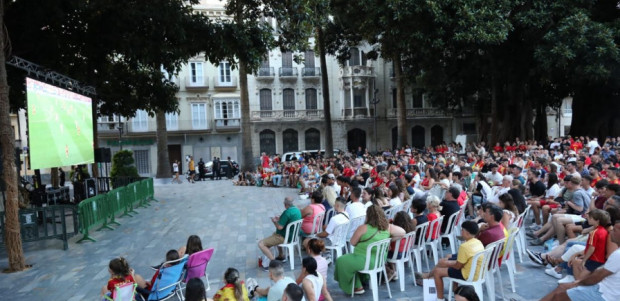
(590, 293)
(456, 274)
(192, 172)
(553, 206)
(592, 265)
(273, 240)
(575, 218)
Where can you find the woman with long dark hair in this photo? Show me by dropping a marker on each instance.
(313, 283)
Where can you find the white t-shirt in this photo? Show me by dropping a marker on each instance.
(609, 287)
(495, 177)
(553, 192)
(355, 209)
(317, 285)
(395, 201)
(337, 219)
(175, 167)
(593, 144)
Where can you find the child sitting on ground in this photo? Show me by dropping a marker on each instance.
(120, 274)
(234, 290)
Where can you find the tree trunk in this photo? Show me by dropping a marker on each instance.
(246, 129)
(12, 236)
(164, 170)
(494, 114)
(401, 106)
(540, 124)
(329, 139)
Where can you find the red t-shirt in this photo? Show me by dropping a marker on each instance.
(348, 172)
(431, 217)
(498, 149)
(462, 197)
(265, 161)
(598, 240)
(522, 147)
(114, 281)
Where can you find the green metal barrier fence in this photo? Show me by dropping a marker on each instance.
(103, 209)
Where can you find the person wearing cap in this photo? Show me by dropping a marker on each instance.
(494, 176)
(516, 172)
(365, 172)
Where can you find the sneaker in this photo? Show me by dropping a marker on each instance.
(567, 279)
(535, 257)
(534, 227)
(359, 291)
(531, 235)
(282, 259)
(553, 273)
(537, 242)
(251, 284)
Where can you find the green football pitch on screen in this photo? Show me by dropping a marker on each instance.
(60, 126)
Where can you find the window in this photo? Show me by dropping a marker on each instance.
(418, 98)
(225, 77)
(354, 59)
(172, 121)
(313, 139)
(287, 60)
(195, 73)
(142, 161)
(267, 141)
(290, 141)
(311, 101)
(227, 112)
(309, 59)
(358, 99)
(288, 101)
(140, 121)
(265, 100)
(394, 98)
(469, 128)
(199, 116)
(264, 69)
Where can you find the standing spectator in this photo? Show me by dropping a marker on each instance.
(201, 169)
(192, 169)
(61, 175)
(175, 169)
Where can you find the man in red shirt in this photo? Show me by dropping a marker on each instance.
(265, 160)
(348, 171)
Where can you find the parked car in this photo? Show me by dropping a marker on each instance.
(290, 155)
(224, 165)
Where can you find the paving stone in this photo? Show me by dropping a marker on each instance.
(228, 218)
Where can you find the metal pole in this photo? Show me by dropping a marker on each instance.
(120, 133)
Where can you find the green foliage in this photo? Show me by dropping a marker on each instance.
(123, 165)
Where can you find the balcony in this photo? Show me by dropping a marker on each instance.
(358, 113)
(265, 73)
(419, 113)
(311, 73)
(287, 115)
(289, 73)
(225, 85)
(198, 84)
(108, 128)
(358, 71)
(228, 124)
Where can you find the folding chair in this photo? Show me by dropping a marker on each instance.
(124, 292)
(167, 283)
(196, 266)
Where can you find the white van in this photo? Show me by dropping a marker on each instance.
(290, 155)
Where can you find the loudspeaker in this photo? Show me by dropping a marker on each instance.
(103, 155)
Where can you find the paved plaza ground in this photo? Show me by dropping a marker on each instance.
(227, 218)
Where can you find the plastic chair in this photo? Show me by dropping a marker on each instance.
(450, 234)
(338, 240)
(381, 249)
(406, 206)
(317, 224)
(493, 266)
(508, 259)
(328, 216)
(477, 274)
(167, 283)
(124, 292)
(354, 224)
(419, 247)
(197, 266)
(521, 241)
(291, 239)
(408, 240)
(434, 229)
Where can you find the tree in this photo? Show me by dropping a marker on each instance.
(13, 239)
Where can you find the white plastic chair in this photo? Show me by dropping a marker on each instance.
(291, 240)
(450, 234)
(408, 240)
(509, 259)
(493, 266)
(406, 206)
(380, 249)
(419, 248)
(338, 240)
(434, 229)
(521, 241)
(328, 216)
(477, 274)
(317, 224)
(355, 223)
(390, 213)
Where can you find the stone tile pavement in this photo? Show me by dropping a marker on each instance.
(228, 218)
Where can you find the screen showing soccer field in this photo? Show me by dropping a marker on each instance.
(60, 126)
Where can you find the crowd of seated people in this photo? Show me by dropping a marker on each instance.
(571, 184)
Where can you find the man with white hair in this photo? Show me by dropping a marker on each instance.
(290, 214)
(499, 190)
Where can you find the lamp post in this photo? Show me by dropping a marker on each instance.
(120, 133)
(375, 101)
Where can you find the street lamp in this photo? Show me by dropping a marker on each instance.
(120, 133)
(375, 101)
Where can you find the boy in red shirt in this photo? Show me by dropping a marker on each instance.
(594, 255)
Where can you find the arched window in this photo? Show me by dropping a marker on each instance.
(313, 139)
(267, 142)
(290, 141)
